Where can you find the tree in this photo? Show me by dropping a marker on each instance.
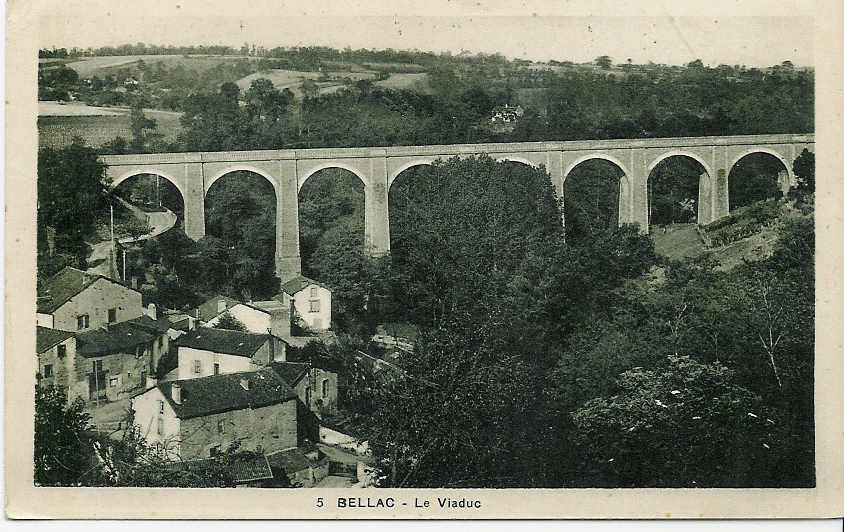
(61, 446)
(683, 424)
(229, 322)
(804, 169)
(604, 61)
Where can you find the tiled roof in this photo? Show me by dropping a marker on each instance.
(291, 461)
(160, 325)
(204, 396)
(208, 310)
(223, 341)
(58, 289)
(117, 338)
(46, 338)
(291, 372)
(243, 467)
(295, 285)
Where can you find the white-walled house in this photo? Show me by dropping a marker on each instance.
(261, 317)
(310, 299)
(206, 351)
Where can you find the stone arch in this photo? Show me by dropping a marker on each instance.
(769, 151)
(705, 186)
(522, 160)
(682, 153)
(404, 167)
(317, 168)
(625, 184)
(140, 171)
(240, 168)
(591, 156)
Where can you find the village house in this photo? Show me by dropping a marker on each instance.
(214, 307)
(116, 360)
(310, 301)
(303, 467)
(207, 351)
(56, 352)
(74, 300)
(263, 317)
(315, 387)
(202, 417)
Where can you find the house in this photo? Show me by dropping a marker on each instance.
(198, 418)
(315, 387)
(115, 360)
(310, 301)
(207, 351)
(302, 467)
(214, 307)
(247, 469)
(261, 317)
(56, 352)
(74, 300)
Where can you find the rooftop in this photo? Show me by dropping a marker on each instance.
(223, 341)
(295, 285)
(223, 393)
(291, 372)
(46, 338)
(60, 288)
(120, 337)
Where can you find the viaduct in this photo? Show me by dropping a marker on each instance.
(288, 170)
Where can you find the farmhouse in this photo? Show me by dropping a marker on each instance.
(206, 351)
(73, 300)
(197, 418)
(310, 301)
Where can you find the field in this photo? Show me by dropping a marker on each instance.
(96, 125)
(292, 79)
(418, 81)
(90, 66)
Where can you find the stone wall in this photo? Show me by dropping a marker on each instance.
(95, 302)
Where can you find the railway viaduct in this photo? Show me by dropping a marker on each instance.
(193, 174)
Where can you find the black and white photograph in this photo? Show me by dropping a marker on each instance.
(293, 251)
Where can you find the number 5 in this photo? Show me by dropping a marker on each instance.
(319, 502)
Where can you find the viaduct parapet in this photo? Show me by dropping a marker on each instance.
(194, 173)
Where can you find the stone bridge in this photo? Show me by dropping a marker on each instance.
(288, 170)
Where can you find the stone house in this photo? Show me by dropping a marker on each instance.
(115, 361)
(214, 307)
(301, 466)
(315, 387)
(56, 352)
(73, 300)
(260, 317)
(202, 417)
(206, 351)
(309, 300)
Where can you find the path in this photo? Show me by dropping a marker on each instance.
(158, 223)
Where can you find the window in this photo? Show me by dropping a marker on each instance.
(160, 342)
(216, 368)
(314, 305)
(160, 427)
(221, 426)
(48, 371)
(214, 451)
(325, 387)
(314, 292)
(160, 407)
(112, 315)
(197, 367)
(82, 321)
(113, 381)
(139, 351)
(61, 350)
(308, 396)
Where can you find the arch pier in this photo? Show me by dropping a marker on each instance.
(287, 170)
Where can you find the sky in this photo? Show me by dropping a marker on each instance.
(750, 41)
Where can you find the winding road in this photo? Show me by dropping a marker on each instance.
(158, 222)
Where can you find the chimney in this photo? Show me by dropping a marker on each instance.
(176, 392)
(134, 283)
(151, 311)
(221, 305)
(280, 323)
(244, 383)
